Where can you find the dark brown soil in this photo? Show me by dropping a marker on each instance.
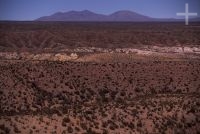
(140, 97)
(35, 36)
(109, 94)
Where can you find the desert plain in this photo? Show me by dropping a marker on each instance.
(99, 78)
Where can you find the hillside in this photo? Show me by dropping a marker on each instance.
(118, 16)
(90, 16)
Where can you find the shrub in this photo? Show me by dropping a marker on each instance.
(65, 120)
(70, 129)
(5, 129)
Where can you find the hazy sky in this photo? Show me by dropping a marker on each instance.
(32, 9)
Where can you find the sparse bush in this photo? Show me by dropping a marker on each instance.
(5, 129)
(16, 130)
(70, 129)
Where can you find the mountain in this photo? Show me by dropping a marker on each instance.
(74, 16)
(128, 16)
(90, 16)
(123, 15)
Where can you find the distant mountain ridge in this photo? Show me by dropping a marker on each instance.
(74, 16)
(128, 16)
(120, 16)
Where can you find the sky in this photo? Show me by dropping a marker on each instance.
(33, 9)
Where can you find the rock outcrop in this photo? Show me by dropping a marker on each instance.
(72, 54)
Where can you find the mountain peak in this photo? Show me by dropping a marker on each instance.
(123, 11)
(126, 15)
(86, 15)
(86, 11)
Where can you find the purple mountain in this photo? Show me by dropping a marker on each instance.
(90, 16)
(128, 16)
(119, 16)
(74, 16)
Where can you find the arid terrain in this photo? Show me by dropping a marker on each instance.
(35, 36)
(106, 78)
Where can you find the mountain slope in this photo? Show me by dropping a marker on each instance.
(128, 16)
(90, 16)
(74, 16)
(123, 15)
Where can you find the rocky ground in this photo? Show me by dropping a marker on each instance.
(85, 97)
(89, 54)
(60, 78)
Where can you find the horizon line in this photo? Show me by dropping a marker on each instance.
(175, 19)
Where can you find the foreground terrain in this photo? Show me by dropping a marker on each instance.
(77, 97)
(78, 78)
(74, 97)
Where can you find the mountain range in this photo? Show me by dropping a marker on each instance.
(119, 16)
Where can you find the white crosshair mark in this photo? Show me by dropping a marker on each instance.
(186, 14)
